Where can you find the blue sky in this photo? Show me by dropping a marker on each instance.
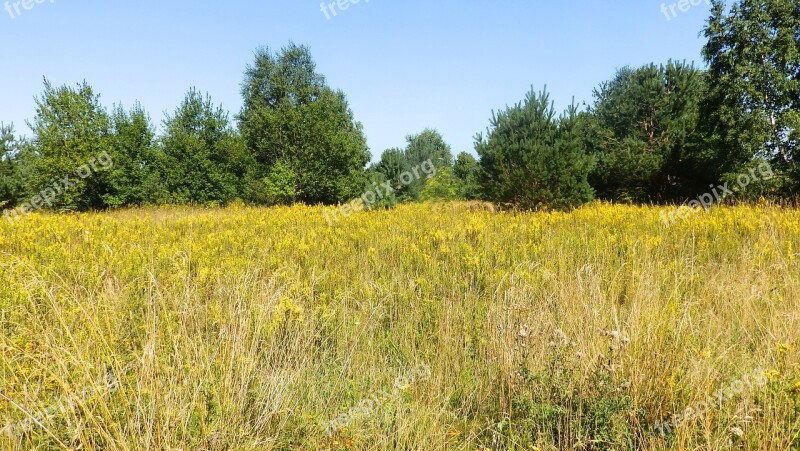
(404, 65)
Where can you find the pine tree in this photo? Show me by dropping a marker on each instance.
(532, 159)
(467, 170)
(644, 130)
(9, 174)
(203, 159)
(70, 137)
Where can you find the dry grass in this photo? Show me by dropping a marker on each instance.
(253, 328)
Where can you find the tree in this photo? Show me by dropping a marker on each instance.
(292, 118)
(69, 149)
(392, 165)
(429, 145)
(753, 54)
(467, 170)
(424, 149)
(443, 186)
(393, 162)
(133, 180)
(10, 186)
(203, 159)
(531, 159)
(376, 184)
(644, 130)
(280, 184)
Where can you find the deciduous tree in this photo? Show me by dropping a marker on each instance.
(753, 53)
(292, 118)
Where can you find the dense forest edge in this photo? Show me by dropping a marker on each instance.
(661, 133)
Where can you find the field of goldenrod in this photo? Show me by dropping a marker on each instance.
(249, 329)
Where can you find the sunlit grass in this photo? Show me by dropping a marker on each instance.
(254, 328)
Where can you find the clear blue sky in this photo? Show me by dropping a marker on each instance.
(404, 65)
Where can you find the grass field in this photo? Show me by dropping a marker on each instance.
(427, 327)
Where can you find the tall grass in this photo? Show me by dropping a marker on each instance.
(254, 328)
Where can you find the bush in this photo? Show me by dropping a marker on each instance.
(443, 186)
(279, 185)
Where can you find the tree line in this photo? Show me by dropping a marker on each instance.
(653, 134)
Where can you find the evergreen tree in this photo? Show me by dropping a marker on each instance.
(9, 174)
(70, 149)
(203, 158)
(376, 183)
(531, 159)
(392, 165)
(644, 130)
(467, 170)
(429, 145)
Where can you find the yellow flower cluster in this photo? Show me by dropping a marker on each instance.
(772, 375)
(205, 304)
(286, 311)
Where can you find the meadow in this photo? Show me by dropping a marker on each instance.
(438, 326)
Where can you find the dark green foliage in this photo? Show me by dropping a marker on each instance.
(290, 116)
(532, 159)
(426, 149)
(654, 134)
(70, 139)
(427, 146)
(599, 415)
(133, 180)
(753, 53)
(280, 185)
(393, 163)
(376, 184)
(644, 131)
(10, 183)
(203, 160)
(755, 180)
(548, 407)
(467, 170)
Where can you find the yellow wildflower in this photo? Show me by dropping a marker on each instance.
(772, 375)
(287, 310)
